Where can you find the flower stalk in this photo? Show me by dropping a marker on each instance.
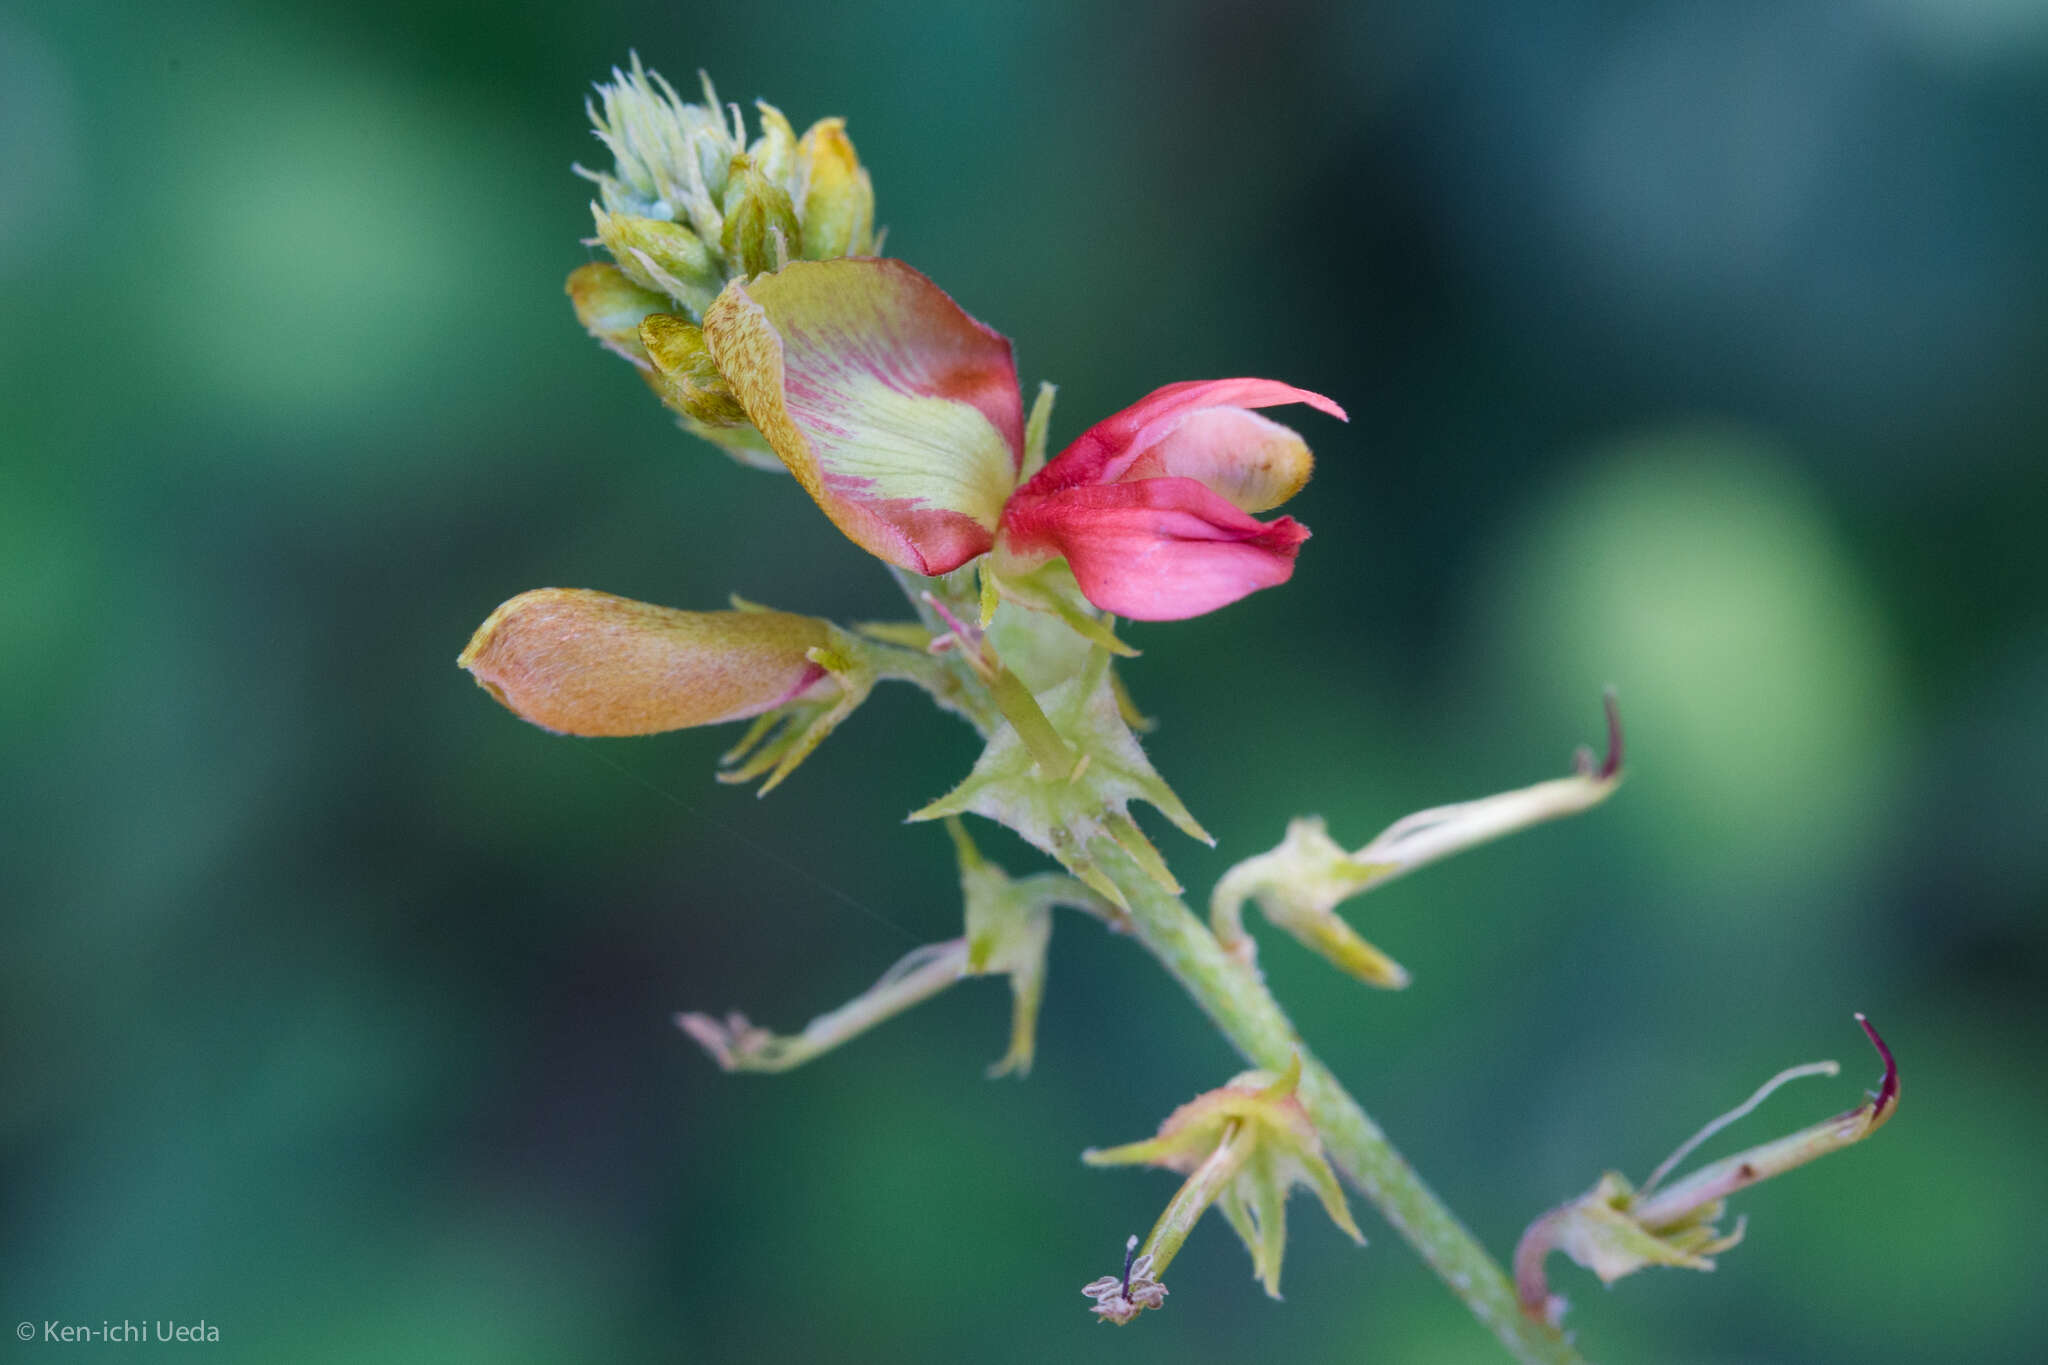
(746, 288)
(1247, 1014)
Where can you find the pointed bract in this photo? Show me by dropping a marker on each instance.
(898, 412)
(1069, 814)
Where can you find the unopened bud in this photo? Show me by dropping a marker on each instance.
(663, 256)
(589, 663)
(610, 307)
(839, 198)
(685, 375)
(761, 230)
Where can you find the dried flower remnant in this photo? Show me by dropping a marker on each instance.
(1615, 1229)
(1119, 1298)
(1300, 884)
(1243, 1147)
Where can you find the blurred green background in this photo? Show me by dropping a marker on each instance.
(1695, 349)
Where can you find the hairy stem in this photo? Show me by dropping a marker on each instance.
(1232, 995)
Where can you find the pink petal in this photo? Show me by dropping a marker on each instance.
(1253, 463)
(1105, 452)
(1155, 549)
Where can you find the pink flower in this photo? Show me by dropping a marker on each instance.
(901, 417)
(1151, 507)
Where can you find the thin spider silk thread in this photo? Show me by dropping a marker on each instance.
(770, 855)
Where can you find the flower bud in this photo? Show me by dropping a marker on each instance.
(670, 158)
(839, 198)
(663, 256)
(761, 231)
(685, 375)
(589, 663)
(611, 306)
(689, 204)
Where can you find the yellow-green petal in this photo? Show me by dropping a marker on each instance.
(898, 412)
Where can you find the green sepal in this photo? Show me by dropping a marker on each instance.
(1009, 927)
(779, 740)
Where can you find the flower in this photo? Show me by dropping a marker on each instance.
(897, 412)
(1151, 507)
(901, 416)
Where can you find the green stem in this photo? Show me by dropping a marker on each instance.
(1233, 996)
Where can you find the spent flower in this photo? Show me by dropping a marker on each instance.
(1616, 1229)
(1243, 1148)
(1300, 884)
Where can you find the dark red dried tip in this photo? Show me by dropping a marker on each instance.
(1612, 764)
(1888, 1089)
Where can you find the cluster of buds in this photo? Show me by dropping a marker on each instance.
(690, 205)
(1616, 1229)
